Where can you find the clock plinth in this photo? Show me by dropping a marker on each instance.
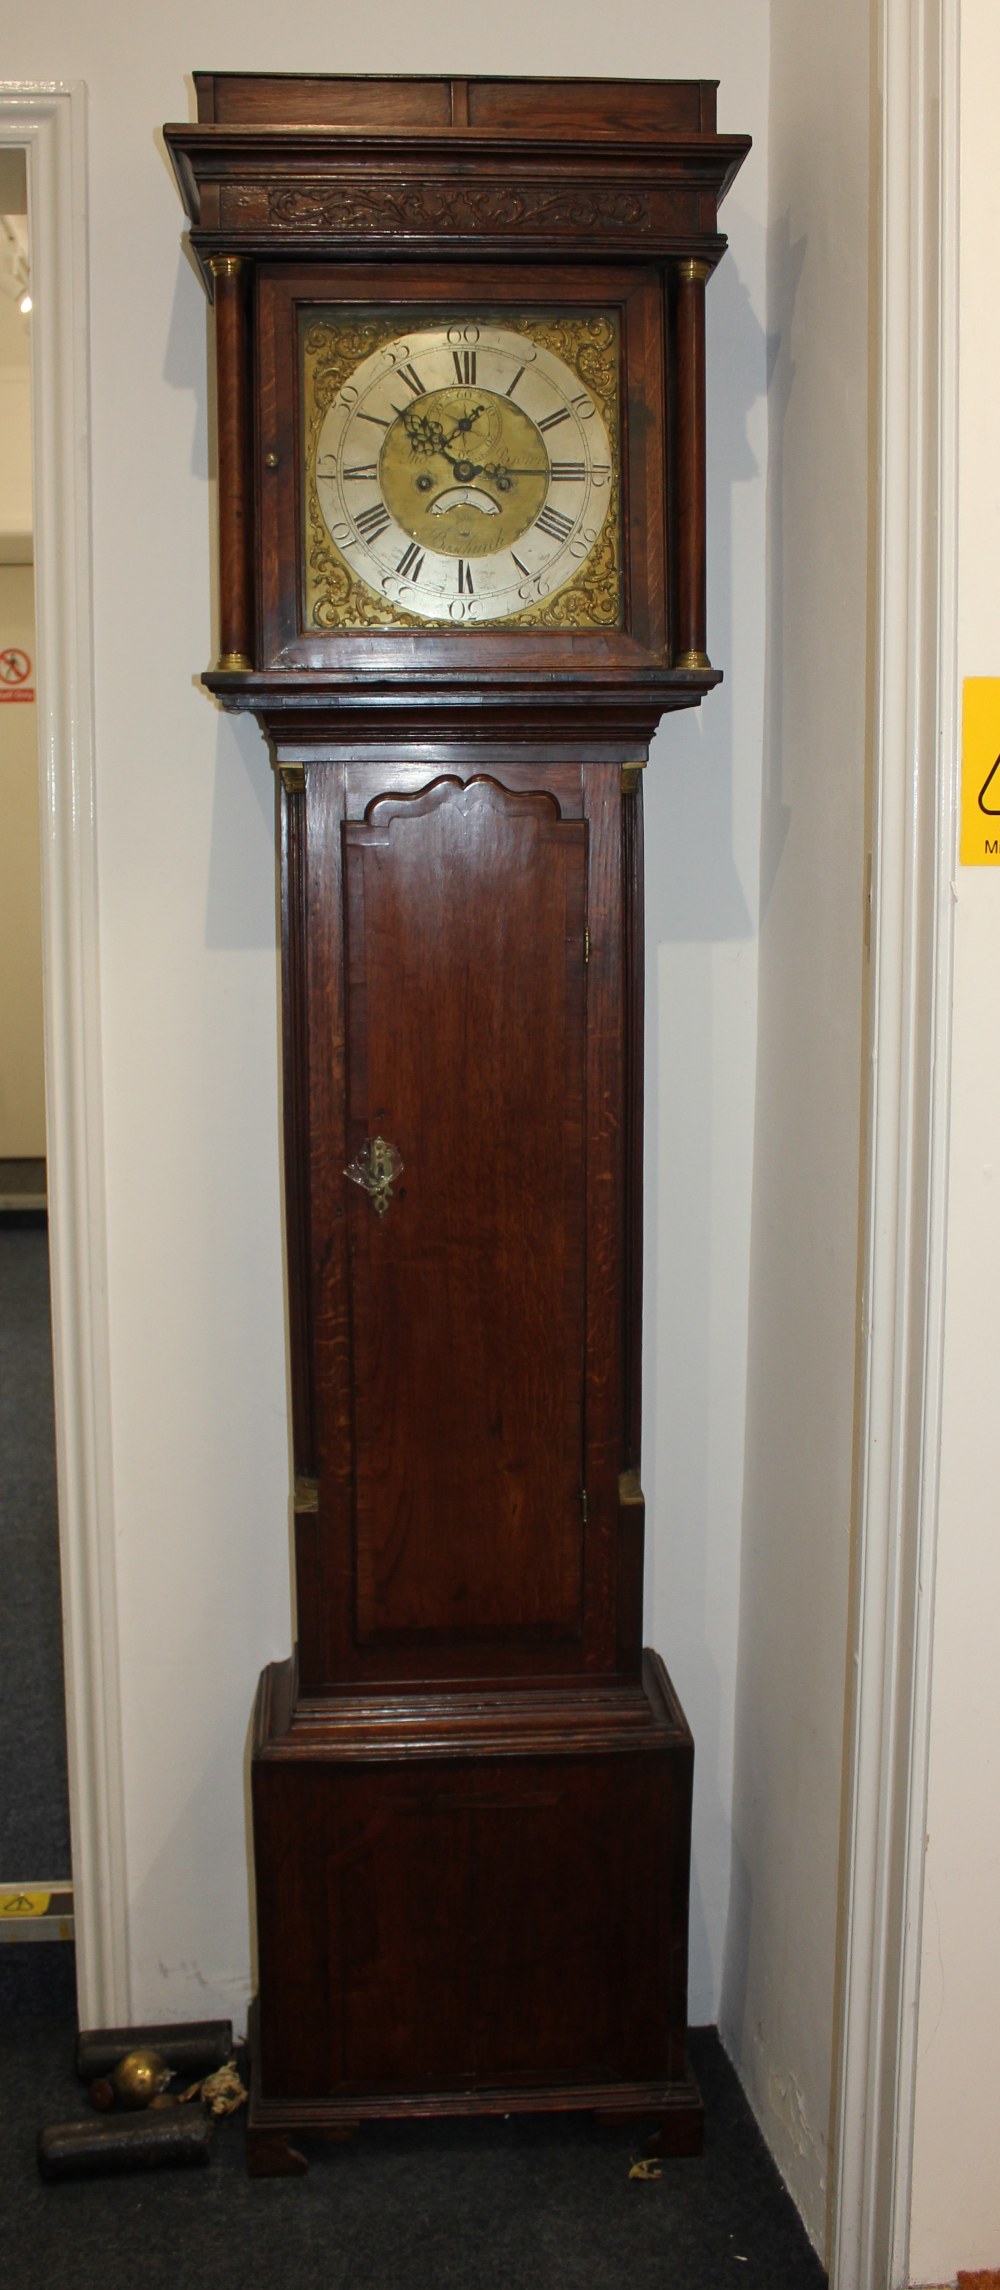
(460, 330)
(472, 1904)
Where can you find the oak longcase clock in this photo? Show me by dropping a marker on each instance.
(460, 361)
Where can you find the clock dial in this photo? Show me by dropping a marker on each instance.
(463, 473)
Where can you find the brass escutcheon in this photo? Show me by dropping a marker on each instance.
(375, 1166)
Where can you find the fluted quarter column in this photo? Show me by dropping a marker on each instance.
(690, 440)
(233, 382)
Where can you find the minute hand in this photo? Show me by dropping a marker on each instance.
(499, 469)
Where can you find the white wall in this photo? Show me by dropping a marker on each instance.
(15, 464)
(22, 1080)
(15, 434)
(778, 2008)
(22, 1076)
(956, 2186)
(189, 976)
(702, 801)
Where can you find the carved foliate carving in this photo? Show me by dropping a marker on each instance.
(435, 207)
(625, 215)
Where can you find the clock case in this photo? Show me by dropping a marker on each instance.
(471, 1787)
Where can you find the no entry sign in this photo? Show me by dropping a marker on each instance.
(15, 674)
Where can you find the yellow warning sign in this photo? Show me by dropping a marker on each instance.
(24, 1903)
(980, 839)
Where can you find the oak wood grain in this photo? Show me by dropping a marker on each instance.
(471, 1789)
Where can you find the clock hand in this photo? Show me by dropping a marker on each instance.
(424, 435)
(500, 473)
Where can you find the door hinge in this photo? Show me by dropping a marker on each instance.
(586, 945)
(583, 1504)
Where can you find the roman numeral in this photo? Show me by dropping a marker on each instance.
(465, 365)
(509, 393)
(552, 420)
(465, 587)
(410, 376)
(368, 469)
(554, 524)
(567, 472)
(373, 521)
(376, 418)
(411, 561)
(521, 568)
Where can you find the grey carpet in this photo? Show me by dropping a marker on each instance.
(34, 1818)
(528, 2204)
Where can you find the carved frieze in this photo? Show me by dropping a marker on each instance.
(434, 210)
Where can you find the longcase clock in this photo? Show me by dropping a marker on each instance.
(460, 360)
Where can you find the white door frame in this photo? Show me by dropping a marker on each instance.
(49, 122)
(914, 743)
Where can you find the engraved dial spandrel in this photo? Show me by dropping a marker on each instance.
(460, 475)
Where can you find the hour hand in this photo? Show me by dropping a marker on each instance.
(424, 434)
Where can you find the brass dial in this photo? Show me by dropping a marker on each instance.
(463, 473)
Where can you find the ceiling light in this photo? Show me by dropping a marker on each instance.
(24, 305)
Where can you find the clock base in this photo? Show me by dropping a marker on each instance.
(473, 1903)
(671, 2114)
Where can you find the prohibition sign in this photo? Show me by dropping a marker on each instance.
(15, 666)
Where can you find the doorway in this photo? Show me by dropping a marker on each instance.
(44, 130)
(35, 1888)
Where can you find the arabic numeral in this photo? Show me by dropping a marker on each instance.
(399, 361)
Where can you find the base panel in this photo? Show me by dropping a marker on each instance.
(671, 2114)
(483, 1914)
